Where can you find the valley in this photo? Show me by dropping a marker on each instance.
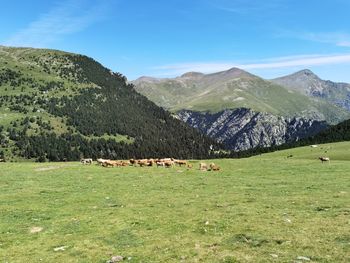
(261, 209)
(174, 131)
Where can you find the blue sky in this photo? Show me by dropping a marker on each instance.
(167, 38)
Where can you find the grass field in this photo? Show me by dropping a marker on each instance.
(268, 208)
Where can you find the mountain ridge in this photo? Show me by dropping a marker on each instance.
(235, 88)
(311, 85)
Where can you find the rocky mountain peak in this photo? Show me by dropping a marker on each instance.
(306, 73)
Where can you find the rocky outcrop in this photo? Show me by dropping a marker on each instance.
(242, 129)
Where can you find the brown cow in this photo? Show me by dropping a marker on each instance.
(109, 163)
(168, 164)
(180, 162)
(133, 162)
(214, 167)
(151, 162)
(203, 167)
(143, 162)
(160, 163)
(125, 163)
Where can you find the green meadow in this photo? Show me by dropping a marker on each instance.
(267, 208)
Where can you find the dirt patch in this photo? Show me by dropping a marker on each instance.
(48, 168)
(35, 229)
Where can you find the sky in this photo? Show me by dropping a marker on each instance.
(158, 38)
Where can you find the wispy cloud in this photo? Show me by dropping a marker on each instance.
(66, 18)
(336, 38)
(340, 39)
(243, 7)
(303, 61)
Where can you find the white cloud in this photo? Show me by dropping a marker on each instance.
(303, 61)
(68, 17)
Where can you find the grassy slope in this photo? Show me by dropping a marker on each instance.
(255, 207)
(216, 92)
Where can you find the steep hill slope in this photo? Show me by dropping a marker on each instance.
(306, 82)
(333, 134)
(232, 89)
(60, 106)
(243, 129)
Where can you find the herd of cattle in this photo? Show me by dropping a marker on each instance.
(165, 162)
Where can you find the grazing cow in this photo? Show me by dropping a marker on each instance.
(214, 167)
(168, 164)
(166, 159)
(189, 166)
(86, 161)
(125, 163)
(160, 163)
(109, 163)
(133, 162)
(143, 162)
(203, 167)
(101, 161)
(151, 162)
(180, 162)
(324, 159)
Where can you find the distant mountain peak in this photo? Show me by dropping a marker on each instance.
(192, 74)
(145, 79)
(306, 72)
(308, 83)
(235, 69)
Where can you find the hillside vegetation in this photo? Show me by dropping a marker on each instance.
(61, 106)
(233, 89)
(268, 208)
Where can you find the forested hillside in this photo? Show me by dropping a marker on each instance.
(62, 106)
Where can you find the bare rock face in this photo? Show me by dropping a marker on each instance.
(243, 129)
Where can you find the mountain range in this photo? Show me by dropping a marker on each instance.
(244, 111)
(233, 89)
